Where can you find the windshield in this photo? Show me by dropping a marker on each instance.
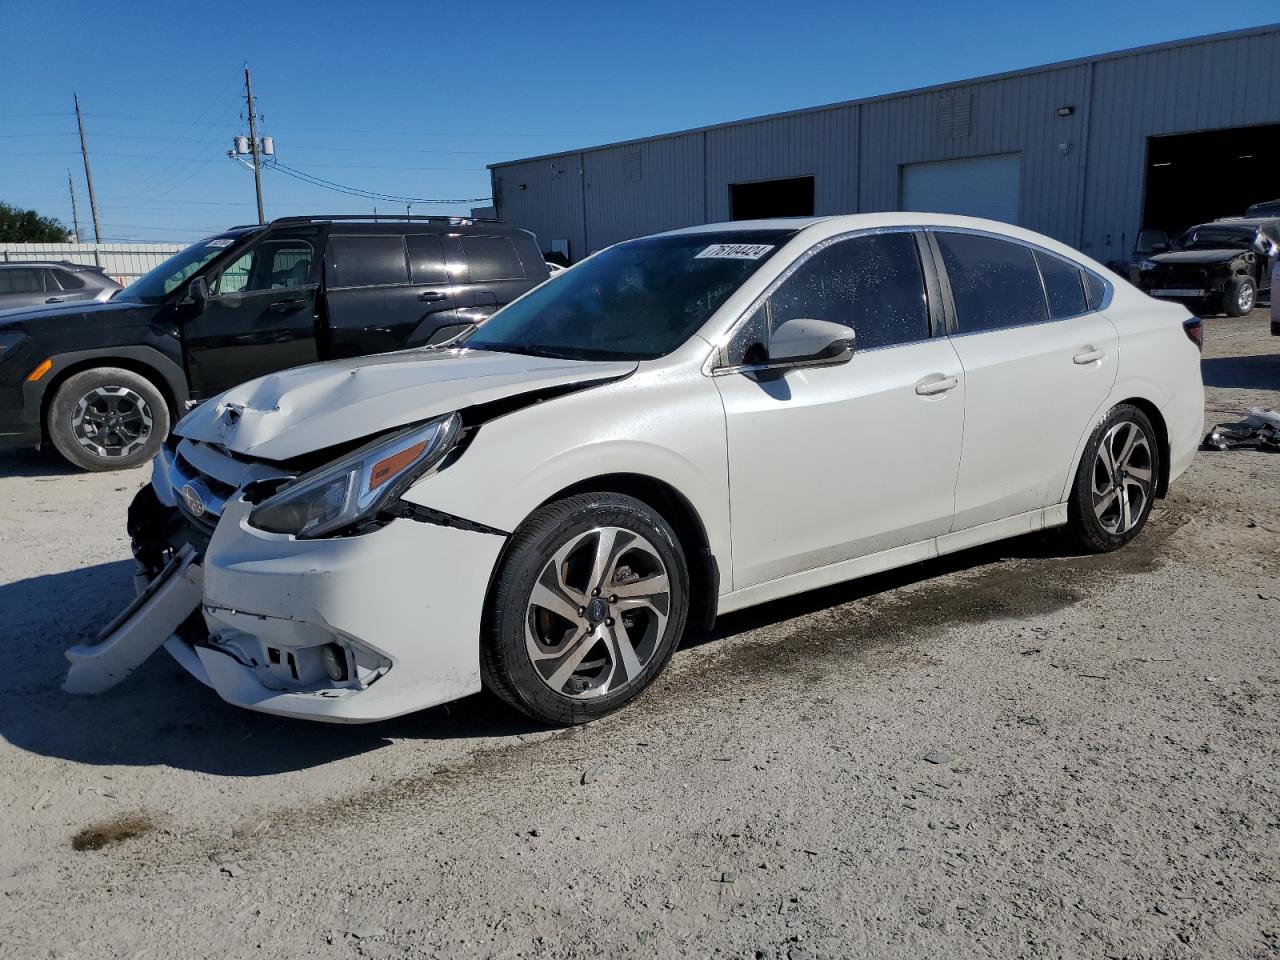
(155, 285)
(1210, 237)
(636, 301)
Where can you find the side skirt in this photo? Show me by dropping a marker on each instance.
(1043, 519)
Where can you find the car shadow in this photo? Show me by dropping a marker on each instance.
(162, 716)
(30, 462)
(1258, 372)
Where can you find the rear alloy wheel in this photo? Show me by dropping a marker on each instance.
(588, 607)
(108, 419)
(1116, 481)
(1240, 297)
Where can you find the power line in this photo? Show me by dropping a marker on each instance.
(359, 191)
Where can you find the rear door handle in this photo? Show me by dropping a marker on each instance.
(432, 296)
(1089, 356)
(935, 384)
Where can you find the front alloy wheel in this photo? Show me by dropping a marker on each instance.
(107, 418)
(597, 612)
(112, 422)
(587, 608)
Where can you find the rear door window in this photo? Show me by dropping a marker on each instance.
(492, 258)
(1063, 286)
(994, 283)
(367, 261)
(21, 280)
(426, 259)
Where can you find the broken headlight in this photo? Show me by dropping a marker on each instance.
(358, 485)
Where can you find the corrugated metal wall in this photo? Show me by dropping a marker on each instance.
(124, 262)
(1082, 175)
(1230, 82)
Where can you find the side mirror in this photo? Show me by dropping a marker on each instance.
(804, 342)
(197, 293)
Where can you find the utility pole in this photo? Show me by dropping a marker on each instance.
(75, 217)
(253, 142)
(88, 174)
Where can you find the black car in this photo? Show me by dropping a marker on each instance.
(103, 381)
(1223, 266)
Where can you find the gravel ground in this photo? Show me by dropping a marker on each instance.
(1016, 751)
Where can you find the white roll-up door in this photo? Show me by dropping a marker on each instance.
(977, 187)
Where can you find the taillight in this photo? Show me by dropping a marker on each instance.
(1194, 329)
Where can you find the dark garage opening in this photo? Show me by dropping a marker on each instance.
(791, 197)
(1195, 177)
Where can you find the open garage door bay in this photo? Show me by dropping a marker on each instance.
(974, 187)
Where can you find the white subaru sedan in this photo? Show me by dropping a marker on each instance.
(677, 427)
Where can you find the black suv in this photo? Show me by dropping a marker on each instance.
(103, 381)
(1223, 266)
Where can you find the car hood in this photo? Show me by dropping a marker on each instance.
(68, 315)
(299, 411)
(1208, 255)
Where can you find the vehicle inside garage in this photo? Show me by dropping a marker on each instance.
(1196, 177)
(788, 197)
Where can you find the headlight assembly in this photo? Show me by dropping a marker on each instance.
(358, 485)
(1146, 264)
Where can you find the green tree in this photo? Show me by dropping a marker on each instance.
(27, 226)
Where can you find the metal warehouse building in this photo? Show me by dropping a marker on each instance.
(1088, 151)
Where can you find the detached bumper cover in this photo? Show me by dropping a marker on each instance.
(139, 630)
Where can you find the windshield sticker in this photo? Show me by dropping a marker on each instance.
(220, 242)
(736, 251)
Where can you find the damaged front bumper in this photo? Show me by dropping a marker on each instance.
(344, 629)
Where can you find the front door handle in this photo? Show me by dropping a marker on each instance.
(432, 296)
(936, 384)
(55, 300)
(1088, 356)
(287, 306)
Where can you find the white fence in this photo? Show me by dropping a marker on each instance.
(125, 262)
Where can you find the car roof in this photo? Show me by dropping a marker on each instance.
(1239, 222)
(63, 264)
(863, 221)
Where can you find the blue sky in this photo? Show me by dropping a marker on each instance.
(414, 99)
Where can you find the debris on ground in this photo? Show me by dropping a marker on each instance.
(1259, 430)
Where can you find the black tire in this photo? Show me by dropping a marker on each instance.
(1085, 525)
(506, 663)
(1239, 292)
(107, 418)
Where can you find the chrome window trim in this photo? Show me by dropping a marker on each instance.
(1107, 293)
(709, 367)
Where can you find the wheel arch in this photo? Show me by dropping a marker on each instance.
(1152, 411)
(677, 510)
(1162, 437)
(163, 373)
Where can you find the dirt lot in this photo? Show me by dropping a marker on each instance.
(1012, 752)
